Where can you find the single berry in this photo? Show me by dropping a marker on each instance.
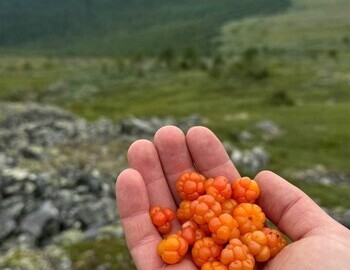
(172, 249)
(245, 190)
(161, 218)
(190, 186)
(229, 206)
(257, 243)
(219, 187)
(184, 213)
(223, 228)
(214, 266)
(249, 217)
(191, 232)
(205, 250)
(205, 208)
(275, 241)
(236, 256)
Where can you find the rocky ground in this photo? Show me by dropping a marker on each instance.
(57, 174)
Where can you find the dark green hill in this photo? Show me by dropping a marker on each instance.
(102, 27)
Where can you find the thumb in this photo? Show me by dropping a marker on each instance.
(290, 209)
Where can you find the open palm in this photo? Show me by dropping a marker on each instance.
(319, 241)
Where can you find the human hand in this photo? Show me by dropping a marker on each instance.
(319, 241)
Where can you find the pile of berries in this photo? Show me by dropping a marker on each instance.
(222, 226)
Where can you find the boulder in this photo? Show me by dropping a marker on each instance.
(36, 223)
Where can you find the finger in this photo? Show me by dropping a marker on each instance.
(296, 214)
(143, 157)
(209, 154)
(171, 145)
(133, 205)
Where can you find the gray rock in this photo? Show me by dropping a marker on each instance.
(147, 127)
(269, 129)
(35, 223)
(33, 152)
(97, 214)
(69, 237)
(15, 174)
(320, 175)
(244, 136)
(250, 160)
(137, 127)
(7, 227)
(91, 180)
(11, 207)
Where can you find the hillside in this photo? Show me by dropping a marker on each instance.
(309, 26)
(105, 27)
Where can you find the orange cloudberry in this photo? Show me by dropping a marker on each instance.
(191, 232)
(236, 256)
(205, 228)
(249, 217)
(205, 208)
(275, 241)
(214, 266)
(245, 190)
(257, 243)
(184, 213)
(205, 250)
(219, 187)
(190, 186)
(172, 249)
(223, 228)
(229, 206)
(161, 218)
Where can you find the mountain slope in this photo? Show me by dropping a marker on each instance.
(309, 26)
(118, 26)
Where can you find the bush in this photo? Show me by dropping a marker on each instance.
(280, 98)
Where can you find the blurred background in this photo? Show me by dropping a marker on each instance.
(80, 80)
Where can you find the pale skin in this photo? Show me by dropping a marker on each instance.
(319, 242)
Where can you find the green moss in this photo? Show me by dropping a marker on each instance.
(110, 252)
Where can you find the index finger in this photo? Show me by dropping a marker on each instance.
(209, 154)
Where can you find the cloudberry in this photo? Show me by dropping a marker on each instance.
(245, 190)
(205, 208)
(205, 228)
(172, 248)
(161, 218)
(219, 187)
(249, 217)
(229, 206)
(224, 228)
(214, 266)
(236, 256)
(191, 232)
(184, 213)
(205, 250)
(190, 186)
(275, 241)
(257, 243)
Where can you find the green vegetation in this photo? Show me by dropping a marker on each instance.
(309, 27)
(112, 253)
(118, 27)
